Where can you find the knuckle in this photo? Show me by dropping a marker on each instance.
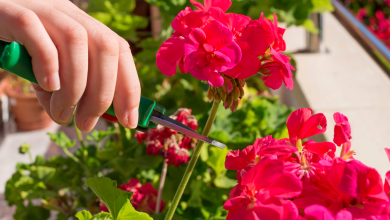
(26, 18)
(75, 34)
(124, 46)
(106, 43)
(103, 102)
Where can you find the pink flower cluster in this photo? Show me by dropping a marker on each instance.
(297, 179)
(378, 24)
(144, 198)
(212, 44)
(174, 147)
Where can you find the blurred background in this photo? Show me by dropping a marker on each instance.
(340, 49)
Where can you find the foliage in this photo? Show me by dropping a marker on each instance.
(58, 182)
(116, 15)
(116, 200)
(292, 12)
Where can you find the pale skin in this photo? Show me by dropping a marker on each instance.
(76, 59)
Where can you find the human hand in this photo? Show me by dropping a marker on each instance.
(76, 59)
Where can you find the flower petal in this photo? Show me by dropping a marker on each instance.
(286, 187)
(196, 38)
(318, 212)
(296, 121)
(213, 77)
(321, 148)
(169, 55)
(263, 174)
(258, 37)
(316, 124)
(222, 4)
(218, 34)
(197, 4)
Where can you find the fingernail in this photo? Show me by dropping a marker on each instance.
(132, 120)
(53, 82)
(89, 124)
(66, 114)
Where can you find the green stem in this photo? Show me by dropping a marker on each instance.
(81, 139)
(67, 152)
(191, 164)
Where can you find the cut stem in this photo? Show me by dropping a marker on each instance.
(161, 186)
(191, 164)
(79, 135)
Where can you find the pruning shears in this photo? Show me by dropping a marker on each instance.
(15, 59)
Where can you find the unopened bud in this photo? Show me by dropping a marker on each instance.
(227, 85)
(222, 92)
(236, 93)
(264, 71)
(228, 102)
(217, 98)
(210, 94)
(242, 92)
(234, 105)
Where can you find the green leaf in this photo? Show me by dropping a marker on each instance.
(322, 6)
(224, 182)
(31, 212)
(309, 25)
(103, 17)
(196, 193)
(125, 166)
(84, 215)
(44, 173)
(62, 140)
(216, 159)
(108, 153)
(102, 216)
(116, 200)
(98, 136)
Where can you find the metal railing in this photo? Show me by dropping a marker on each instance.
(377, 46)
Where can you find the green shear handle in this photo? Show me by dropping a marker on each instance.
(15, 59)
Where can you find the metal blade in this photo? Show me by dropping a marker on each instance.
(179, 127)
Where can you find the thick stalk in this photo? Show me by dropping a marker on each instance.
(192, 163)
(161, 186)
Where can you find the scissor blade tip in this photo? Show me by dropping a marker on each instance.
(218, 144)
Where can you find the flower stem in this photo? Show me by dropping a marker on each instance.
(161, 186)
(80, 137)
(191, 164)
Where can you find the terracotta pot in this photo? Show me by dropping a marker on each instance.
(28, 112)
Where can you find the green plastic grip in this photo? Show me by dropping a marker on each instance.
(15, 59)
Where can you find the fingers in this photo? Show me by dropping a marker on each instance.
(31, 33)
(71, 40)
(127, 91)
(102, 73)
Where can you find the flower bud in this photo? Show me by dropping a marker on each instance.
(222, 93)
(227, 85)
(236, 93)
(234, 105)
(242, 92)
(210, 94)
(217, 97)
(228, 102)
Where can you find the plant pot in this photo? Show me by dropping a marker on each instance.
(28, 112)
